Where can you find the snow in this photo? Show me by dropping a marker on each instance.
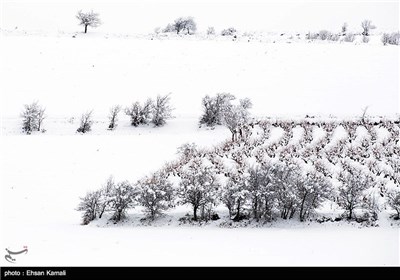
(44, 174)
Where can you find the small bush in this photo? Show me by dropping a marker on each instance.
(33, 116)
(86, 122)
(229, 31)
(210, 30)
(392, 39)
(140, 114)
(349, 37)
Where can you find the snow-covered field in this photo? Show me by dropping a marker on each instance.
(43, 175)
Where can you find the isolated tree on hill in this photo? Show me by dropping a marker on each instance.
(86, 122)
(32, 117)
(184, 23)
(161, 110)
(155, 194)
(88, 19)
(199, 186)
(367, 26)
(113, 116)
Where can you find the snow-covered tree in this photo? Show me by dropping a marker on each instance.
(285, 179)
(89, 205)
(234, 195)
(140, 114)
(156, 194)
(184, 23)
(311, 192)
(121, 199)
(161, 110)
(88, 19)
(106, 193)
(236, 116)
(367, 26)
(188, 151)
(199, 186)
(86, 122)
(353, 183)
(32, 117)
(262, 192)
(113, 116)
(190, 25)
(393, 199)
(213, 108)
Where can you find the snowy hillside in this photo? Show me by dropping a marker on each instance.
(309, 171)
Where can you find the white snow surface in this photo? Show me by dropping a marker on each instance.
(43, 175)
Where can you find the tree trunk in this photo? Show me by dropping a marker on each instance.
(237, 218)
(195, 213)
(255, 212)
(86, 28)
(302, 209)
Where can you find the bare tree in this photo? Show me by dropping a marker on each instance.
(86, 122)
(88, 19)
(113, 116)
(155, 194)
(161, 110)
(367, 26)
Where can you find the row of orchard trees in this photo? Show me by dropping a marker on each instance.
(261, 191)
(217, 110)
(152, 111)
